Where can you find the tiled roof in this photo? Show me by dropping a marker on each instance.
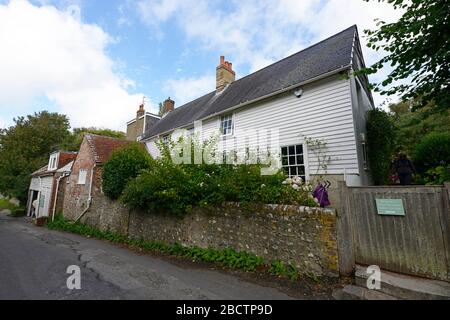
(326, 56)
(41, 171)
(66, 168)
(102, 146)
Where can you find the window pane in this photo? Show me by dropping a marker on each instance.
(284, 161)
(292, 160)
(286, 170)
(284, 151)
(299, 159)
(291, 150)
(293, 171)
(299, 149)
(301, 170)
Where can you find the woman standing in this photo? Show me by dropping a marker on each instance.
(404, 169)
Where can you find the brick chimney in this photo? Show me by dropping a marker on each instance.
(140, 112)
(224, 74)
(168, 106)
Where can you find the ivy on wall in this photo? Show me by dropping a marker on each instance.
(381, 135)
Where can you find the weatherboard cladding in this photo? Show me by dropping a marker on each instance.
(328, 55)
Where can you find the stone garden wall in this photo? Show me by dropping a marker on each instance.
(301, 235)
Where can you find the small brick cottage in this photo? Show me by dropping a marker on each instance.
(84, 190)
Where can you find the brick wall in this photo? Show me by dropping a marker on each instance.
(76, 196)
(135, 129)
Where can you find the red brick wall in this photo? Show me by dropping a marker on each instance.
(76, 196)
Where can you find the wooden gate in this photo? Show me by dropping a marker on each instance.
(415, 243)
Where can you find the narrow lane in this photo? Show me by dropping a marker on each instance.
(33, 264)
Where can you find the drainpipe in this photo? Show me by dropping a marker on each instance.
(89, 201)
(66, 174)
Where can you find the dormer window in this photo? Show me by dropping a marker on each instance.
(53, 162)
(226, 125)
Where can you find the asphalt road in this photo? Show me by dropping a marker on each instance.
(34, 262)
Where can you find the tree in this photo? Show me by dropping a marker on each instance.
(161, 109)
(411, 126)
(25, 147)
(380, 143)
(418, 47)
(73, 141)
(433, 151)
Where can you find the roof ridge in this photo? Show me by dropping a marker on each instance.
(321, 58)
(298, 52)
(270, 65)
(91, 144)
(102, 136)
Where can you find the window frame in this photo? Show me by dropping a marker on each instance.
(166, 140)
(227, 117)
(79, 181)
(303, 154)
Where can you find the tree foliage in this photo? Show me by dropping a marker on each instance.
(381, 145)
(417, 47)
(124, 164)
(412, 127)
(73, 141)
(433, 151)
(25, 147)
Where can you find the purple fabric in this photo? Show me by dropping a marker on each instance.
(321, 194)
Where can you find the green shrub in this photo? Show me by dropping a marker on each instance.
(162, 188)
(432, 151)
(5, 204)
(380, 144)
(437, 176)
(124, 164)
(178, 188)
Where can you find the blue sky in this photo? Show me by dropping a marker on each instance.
(94, 60)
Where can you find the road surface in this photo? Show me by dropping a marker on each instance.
(34, 262)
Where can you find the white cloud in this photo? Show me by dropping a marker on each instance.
(3, 123)
(254, 34)
(50, 53)
(184, 90)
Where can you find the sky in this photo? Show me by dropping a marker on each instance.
(96, 60)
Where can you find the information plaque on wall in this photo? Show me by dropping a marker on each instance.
(390, 207)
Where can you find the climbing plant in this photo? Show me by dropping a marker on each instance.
(381, 135)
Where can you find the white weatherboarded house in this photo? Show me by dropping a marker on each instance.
(47, 184)
(311, 94)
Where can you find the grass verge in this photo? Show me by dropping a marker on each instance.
(5, 204)
(226, 257)
(16, 211)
